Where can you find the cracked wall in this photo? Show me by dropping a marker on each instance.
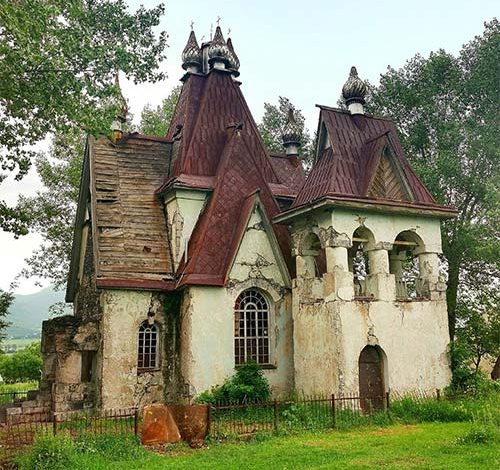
(208, 317)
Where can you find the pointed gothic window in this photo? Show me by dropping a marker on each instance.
(251, 328)
(148, 347)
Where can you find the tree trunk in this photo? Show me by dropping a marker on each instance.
(451, 294)
(495, 373)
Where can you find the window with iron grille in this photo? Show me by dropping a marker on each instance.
(251, 328)
(148, 347)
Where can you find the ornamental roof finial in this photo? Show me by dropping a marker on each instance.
(354, 92)
(191, 55)
(218, 52)
(234, 62)
(291, 134)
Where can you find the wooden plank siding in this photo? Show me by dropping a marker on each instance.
(131, 229)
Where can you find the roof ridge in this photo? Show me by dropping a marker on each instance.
(345, 111)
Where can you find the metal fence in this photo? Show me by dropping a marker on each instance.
(21, 430)
(304, 412)
(9, 398)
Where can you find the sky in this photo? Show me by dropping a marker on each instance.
(299, 49)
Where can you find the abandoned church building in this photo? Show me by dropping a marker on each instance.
(198, 251)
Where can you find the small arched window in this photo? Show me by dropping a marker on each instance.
(251, 328)
(148, 347)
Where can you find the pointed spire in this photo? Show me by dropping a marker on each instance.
(291, 134)
(218, 52)
(191, 55)
(118, 125)
(234, 62)
(354, 92)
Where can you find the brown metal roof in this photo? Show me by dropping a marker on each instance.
(347, 167)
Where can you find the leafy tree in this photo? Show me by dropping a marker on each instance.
(22, 366)
(51, 211)
(58, 60)
(447, 111)
(157, 121)
(273, 122)
(6, 299)
(479, 327)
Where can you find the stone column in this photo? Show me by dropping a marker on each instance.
(428, 283)
(380, 284)
(305, 265)
(338, 281)
(336, 258)
(396, 268)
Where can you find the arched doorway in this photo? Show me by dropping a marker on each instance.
(371, 378)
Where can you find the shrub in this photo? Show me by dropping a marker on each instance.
(248, 384)
(22, 366)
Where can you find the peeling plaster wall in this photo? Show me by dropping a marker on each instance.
(183, 207)
(123, 313)
(329, 333)
(385, 227)
(208, 317)
(329, 338)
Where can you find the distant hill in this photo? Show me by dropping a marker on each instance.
(28, 311)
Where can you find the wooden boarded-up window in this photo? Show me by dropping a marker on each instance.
(251, 328)
(148, 347)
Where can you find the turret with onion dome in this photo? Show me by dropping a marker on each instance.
(191, 55)
(291, 134)
(234, 62)
(218, 51)
(354, 92)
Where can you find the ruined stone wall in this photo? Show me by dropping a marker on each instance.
(207, 313)
(87, 299)
(64, 340)
(122, 384)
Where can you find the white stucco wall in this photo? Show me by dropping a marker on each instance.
(330, 332)
(208, 317)
(123, 313)
(183, 207)
(329, 338)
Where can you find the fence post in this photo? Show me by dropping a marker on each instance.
(387, 401)
(209, 418)
(54, 424)
(275, 407)
(438, 394)
(136, 422)
(334, 417)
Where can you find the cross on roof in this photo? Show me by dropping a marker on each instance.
(229, 31)
(192, 24)
(218, 20)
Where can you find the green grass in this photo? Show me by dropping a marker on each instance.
(424, 446)
(18, 387)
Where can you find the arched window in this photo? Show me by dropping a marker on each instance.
(251, 328)
(148, 347)
(358, 260)
(403, 264)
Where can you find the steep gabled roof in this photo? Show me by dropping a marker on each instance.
(348, 166)
(131, 246)
(217, 235)
(207, 107)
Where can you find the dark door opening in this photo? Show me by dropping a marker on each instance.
(371, 379)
